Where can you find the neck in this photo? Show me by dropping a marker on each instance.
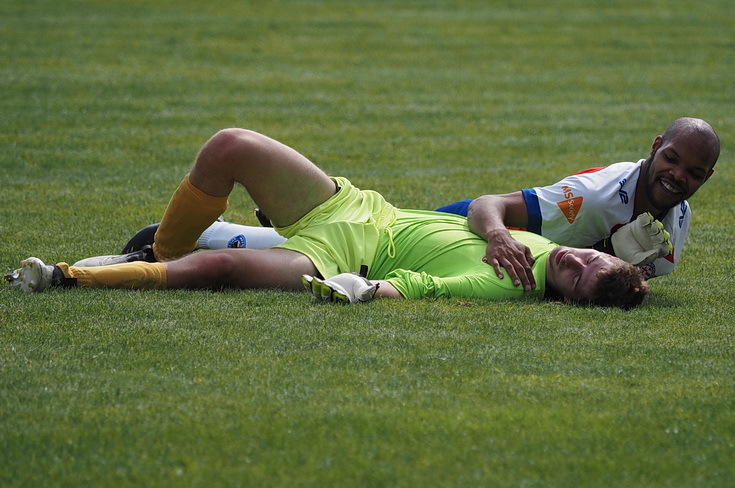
(642, 203)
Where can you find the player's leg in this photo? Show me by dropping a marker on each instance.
(219, 235)
(227, 235)
(280, 180)
(237, 268)
(240, 268)
(35, 276)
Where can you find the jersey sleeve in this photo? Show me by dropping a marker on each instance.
(415, 285)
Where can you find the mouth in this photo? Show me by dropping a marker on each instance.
(559, 256)
(670, 188)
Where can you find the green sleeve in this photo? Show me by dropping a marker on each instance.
(485, 285)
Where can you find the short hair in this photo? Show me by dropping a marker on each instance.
(622, 286)
(703, 130)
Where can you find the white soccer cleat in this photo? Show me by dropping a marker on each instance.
(145, 254)
(32, 277)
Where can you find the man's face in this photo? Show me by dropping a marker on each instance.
(574, 272)
(675, 170)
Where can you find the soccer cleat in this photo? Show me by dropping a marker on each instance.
(145, 254)
(144, 237)
(32, 277)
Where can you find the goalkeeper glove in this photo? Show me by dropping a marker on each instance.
(343, 288)
(642, 241)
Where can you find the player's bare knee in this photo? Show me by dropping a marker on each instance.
(220, 264)
(230, 146)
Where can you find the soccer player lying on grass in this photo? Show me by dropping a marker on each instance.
(637, 211)
(333, 230)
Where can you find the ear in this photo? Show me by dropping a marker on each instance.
(709, 173)
(656, 145)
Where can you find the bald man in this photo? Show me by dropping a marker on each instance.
(637, 211)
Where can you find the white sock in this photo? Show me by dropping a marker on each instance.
(223, 235)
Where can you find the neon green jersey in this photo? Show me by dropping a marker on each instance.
(422, 254)
(429, 254)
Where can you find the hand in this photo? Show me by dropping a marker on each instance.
(343, 288)
(506, 252)
(642, 241)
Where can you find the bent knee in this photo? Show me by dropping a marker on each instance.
(222, 150)
(232, 144)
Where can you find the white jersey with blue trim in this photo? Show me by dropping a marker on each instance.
(587, 207)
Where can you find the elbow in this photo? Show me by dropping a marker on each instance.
(476, 205)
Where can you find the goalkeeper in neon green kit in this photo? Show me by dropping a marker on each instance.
(334, 230)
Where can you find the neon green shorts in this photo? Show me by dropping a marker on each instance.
(341, 235)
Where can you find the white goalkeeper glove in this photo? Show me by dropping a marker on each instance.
(343, 288)
(642, 241)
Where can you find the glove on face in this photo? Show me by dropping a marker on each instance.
(642, 241)
(343, 288)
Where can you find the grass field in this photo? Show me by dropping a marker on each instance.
(104, 105)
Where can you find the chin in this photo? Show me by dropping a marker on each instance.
(664, 200)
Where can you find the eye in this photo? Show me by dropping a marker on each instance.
(699, 175)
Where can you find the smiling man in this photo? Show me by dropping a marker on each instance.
(681, 161)
(637, 211)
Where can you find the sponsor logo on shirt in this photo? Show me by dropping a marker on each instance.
(571, 206)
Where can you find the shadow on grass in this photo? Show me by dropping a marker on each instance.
(664, 300)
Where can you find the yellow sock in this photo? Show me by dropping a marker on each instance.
(138, 275)
(190, 211)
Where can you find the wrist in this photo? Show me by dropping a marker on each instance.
(497, 234)
(605, 246)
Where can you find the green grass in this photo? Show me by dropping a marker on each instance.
(103, 107)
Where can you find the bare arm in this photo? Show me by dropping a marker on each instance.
(488, 217)
(386, 290)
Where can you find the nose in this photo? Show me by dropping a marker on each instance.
(677, 173)
(574, 262)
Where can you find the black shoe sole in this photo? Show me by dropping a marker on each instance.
(144, 237)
